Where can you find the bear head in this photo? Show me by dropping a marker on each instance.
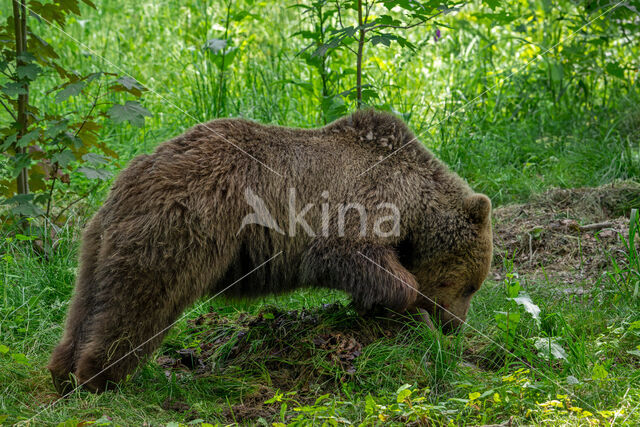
(449, 278)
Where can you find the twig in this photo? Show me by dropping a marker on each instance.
(8, 110)
(339, 14)
(53, 184)
(596, 226)
(76, 201)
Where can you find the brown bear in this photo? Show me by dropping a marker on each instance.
(231, 205)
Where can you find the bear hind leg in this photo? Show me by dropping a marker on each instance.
(129, 328)
(62, 361)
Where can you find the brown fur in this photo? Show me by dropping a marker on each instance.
(166, 235)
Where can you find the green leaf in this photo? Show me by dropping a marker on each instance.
(54, 128)
(9, 141)
(20, 358)
(26, 57)
(384, 39)
(27, 209)
(30, 71)
(492, 3)
(63, 158)
(599, 372)
(28, 138)
(19, 162)
(557, 72)
(403, 393)
(513, 286)
(332, 44)
(528, 305)
(131, 111)
(14, 89)
(370, 405)
(507, 322)
(215, 45)
(549, 348)
(23, 238)
(94, 158)
(130, 83)
(72, 89)
(4, 349)
(94, 173)
(615, 70)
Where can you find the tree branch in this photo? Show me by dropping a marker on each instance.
(8, 110)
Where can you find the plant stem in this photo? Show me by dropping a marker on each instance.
(20, 22)
(224, 54)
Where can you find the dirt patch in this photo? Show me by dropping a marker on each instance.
(310, 350)
(570, 235)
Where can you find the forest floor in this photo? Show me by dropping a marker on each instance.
(566, 350)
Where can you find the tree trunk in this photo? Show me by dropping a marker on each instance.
(20, 21)
(359, 57)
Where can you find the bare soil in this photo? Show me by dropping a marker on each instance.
(565, 235)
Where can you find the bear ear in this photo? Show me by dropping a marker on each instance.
(478, 206)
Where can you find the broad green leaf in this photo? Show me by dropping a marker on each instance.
(370, 405)
(63, 158)
(19, 162)
(72, 89)
(14, 89)
(571, 380)
(18, 198)
(549, 348)
(27, 209)
(94, 173)
(26, 57)
(403, 393)
(131, 111)
(9, 141)
(615, 70)
(30, 71)
(531, 308)
(54, 128)
(130, 83)
(28, 138)
(20, 358)
(507, 322)
(599, 372)
(95, 159)
(4, 349)
(384, 39)
(215, 45)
